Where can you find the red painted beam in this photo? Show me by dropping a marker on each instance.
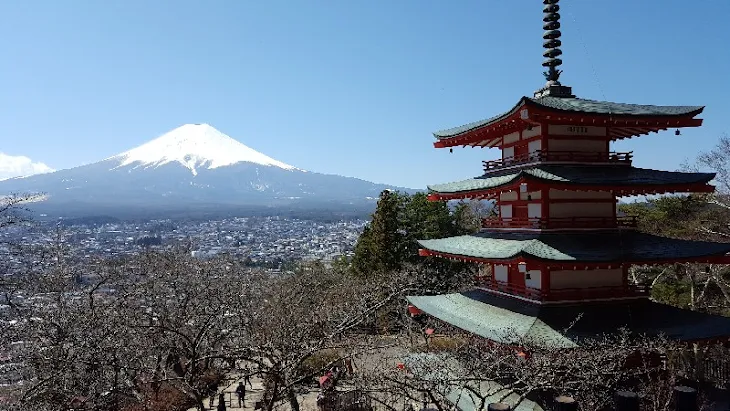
(578, 265)
(544, 200)
(617, 190)
(506, 125)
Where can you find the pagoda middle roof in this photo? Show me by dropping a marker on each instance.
(591, 246)
(509, 320)
(578, 105)
(579, 175)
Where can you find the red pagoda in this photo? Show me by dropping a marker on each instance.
(559, 253)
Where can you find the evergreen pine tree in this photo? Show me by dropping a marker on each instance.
(380, 247)
(390, 241)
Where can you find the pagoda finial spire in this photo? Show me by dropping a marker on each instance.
(552, 43)
(551, 25)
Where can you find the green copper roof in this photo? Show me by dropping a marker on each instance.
(465, 400)
(579, 105)
(489, 321)
(579, 246)
(606, 107)
(588, 175)
(510, 320)
(464, 388)
(455, 131)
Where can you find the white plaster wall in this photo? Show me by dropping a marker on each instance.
(593, 146)
(506, 211)
(534, 210)
(579, 195)
(508, 196)
(508, 152)
(511, 138)
(585, 278)
(535, 131)
(501, 273)
(534, 146)
(534, 195)
(535, 280)
(581, 210)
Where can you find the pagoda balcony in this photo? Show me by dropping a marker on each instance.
(561, 222)
(541, 156)
(567, 294)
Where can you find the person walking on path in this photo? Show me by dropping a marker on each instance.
(221, 402)
(241, 392)
(212, 389)
(247, 379)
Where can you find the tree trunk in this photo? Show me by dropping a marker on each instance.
(699, 358)
(692, 286)
(269, 402)
(293, 402)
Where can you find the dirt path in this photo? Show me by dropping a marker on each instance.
(307, 401)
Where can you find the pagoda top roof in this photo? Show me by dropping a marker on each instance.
(580, 246)
(512, 321)
(585, 176)
(574, 105)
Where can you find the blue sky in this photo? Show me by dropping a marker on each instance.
(349, 87)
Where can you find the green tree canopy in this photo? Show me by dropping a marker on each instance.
(389, 241)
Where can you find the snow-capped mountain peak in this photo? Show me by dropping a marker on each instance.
(195, 146)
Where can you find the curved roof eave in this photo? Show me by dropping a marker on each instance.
(547, 174)
(466, 128)
(609, 108)
(576, 105)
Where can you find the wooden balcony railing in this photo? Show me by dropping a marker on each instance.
(561, 222)
(569, 294)
(560, 156)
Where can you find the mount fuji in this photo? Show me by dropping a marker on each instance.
(191, 168)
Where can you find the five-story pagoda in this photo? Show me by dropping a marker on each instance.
(558, 251)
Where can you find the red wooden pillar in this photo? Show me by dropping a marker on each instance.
(545, 204)
(543, 138)
(515, 278)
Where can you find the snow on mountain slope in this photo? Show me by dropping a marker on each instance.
(195, 146)
(193, 167)
(20, 166)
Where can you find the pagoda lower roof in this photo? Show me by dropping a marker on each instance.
(469, 397)
(509, 320)
(573, 105)
(580, 246)
(584, 177)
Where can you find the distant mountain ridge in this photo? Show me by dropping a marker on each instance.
(192, 167)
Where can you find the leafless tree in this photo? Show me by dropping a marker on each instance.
(709, 220)
(308, 322)
(464, 369)
(13, 208)
(118, 334)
